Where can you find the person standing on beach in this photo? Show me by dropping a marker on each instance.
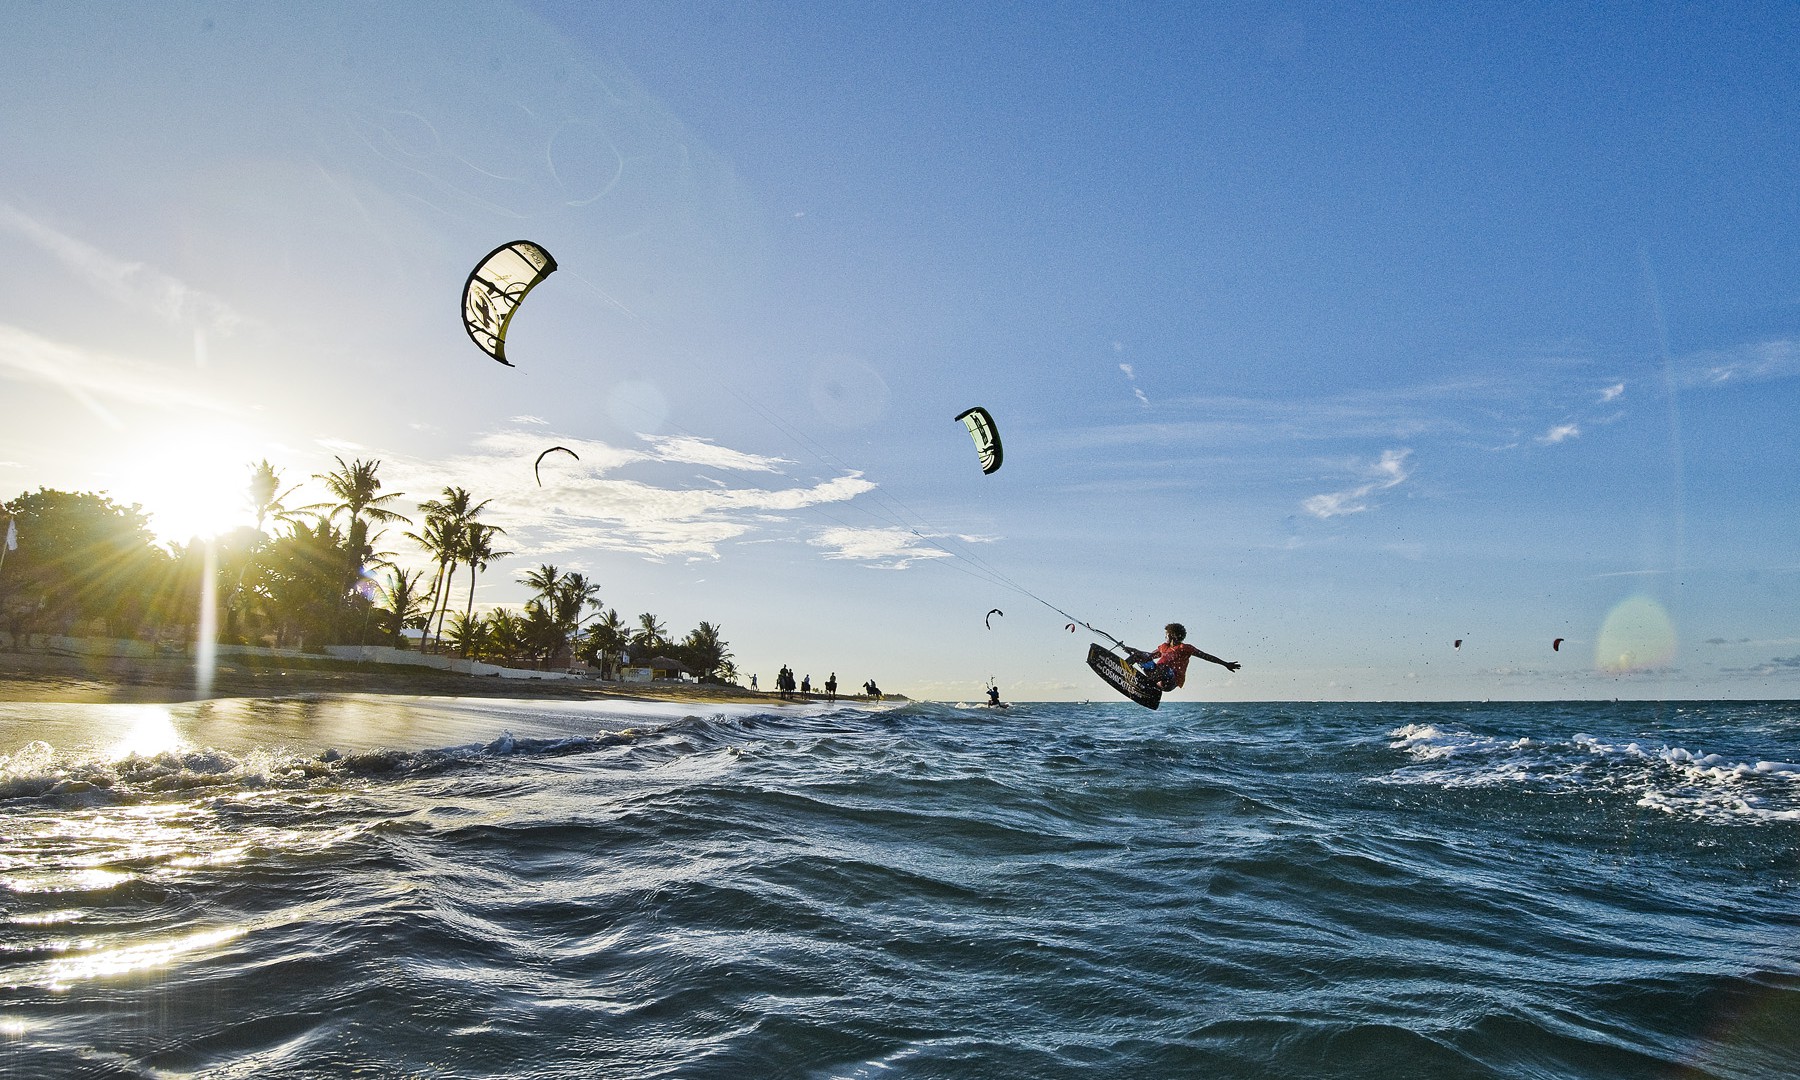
(752, 682)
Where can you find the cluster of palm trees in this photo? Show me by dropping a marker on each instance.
(321, 582)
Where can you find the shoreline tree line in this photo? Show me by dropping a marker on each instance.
(79, 564)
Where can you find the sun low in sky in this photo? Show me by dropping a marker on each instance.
(194, 483)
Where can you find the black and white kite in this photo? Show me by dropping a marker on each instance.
(495, 289)
(987, 437)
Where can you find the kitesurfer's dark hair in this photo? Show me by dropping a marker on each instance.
(1176, 630)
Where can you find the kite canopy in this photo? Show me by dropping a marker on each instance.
(986, 435)
(1556, 646)
(986, 619)
(495, 289)
(547, 453)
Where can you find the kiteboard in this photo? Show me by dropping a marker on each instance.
(1125, 680)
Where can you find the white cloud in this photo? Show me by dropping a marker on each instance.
(590, 504)
(887, 548)
(1612, 393)
(1387, 473)
(696, 451)
(1559, 433)
(1131, 378)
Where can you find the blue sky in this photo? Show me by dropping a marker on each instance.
(1335, 333)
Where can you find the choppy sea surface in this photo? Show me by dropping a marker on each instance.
(476, 888)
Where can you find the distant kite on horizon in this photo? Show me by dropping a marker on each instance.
(986, 620)
(1556, 646)
(547, 453)
(1458, 643)
(987, 437)
(496, 288)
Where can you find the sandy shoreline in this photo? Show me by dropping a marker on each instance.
(50, 677)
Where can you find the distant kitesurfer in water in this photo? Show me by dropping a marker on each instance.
(1167, 666)
(993, 695)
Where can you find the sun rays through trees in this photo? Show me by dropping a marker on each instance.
(316, 575)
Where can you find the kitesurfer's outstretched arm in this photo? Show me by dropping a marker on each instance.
(1228, 665)
(1167, 666)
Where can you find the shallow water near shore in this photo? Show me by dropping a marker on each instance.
(450, 887)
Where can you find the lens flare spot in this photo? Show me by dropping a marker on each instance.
(1636, 636)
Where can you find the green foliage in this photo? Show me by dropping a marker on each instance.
(84, 562)
(705, 652)
(403, 602)
(86, 565)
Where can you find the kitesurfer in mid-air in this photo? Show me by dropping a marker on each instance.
(1167, 666)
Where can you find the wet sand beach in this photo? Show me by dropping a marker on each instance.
(53, 677)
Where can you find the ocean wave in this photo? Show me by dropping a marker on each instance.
(1701, 785)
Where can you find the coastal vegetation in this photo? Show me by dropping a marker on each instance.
(80, 564)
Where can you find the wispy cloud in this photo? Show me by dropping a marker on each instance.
(886, 548)
(89, 376)
(1389, 472)
(1749, 363)
(1612, 393)
(135, 284)
(638, 500)
(1559, 433)
(1131, 376)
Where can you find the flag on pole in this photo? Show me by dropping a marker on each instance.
(12, 535)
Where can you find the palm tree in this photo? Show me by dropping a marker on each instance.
(543, 581)
(573, 596)
(478, 551)
(507, 635)
(650, 637)
(302, 577)
(443, 542)
(607, 635)
(470, 637)
(404, 599)
(354, 487)
(565, 604)
(446, 537)
(545, 612)
(266, 496)
(705, 651)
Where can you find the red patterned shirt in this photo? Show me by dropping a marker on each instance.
(1175, 658)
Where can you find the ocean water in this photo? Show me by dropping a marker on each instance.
(363, 886)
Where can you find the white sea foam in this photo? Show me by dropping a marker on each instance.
(1674, 779)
